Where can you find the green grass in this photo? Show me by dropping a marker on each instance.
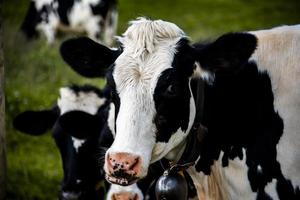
(34, 72)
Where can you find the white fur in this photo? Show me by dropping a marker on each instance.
(199, 72)
(149, 49)
(115, 189)
(81, 18)
(92, 2)
(85, 101)
(236, 179)
(270, 189)
(111, 119)
(110, 26)
(48, 28)
(278, 54)
(224, 183)
(77, 143)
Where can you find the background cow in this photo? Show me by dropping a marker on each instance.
(83, 109)
(98, 18)
(251, 107)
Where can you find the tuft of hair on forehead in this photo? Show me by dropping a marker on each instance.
(143, 35)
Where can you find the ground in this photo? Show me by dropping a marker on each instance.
(35, 71)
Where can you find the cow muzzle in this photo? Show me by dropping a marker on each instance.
(125, 196)
(123, 168)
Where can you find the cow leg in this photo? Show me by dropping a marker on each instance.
(110, 26)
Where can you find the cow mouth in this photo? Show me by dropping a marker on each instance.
(121, 180)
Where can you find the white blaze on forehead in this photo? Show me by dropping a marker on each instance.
(84, 101)
(77, 143)
(117, 189)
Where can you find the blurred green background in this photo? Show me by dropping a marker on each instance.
(35, 71)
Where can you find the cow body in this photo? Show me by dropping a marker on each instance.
(98, 18)
(282, 65)
(252, 118)
(250, 108)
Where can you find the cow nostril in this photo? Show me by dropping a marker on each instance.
(135, 197)
(136, 161)
(126, 162)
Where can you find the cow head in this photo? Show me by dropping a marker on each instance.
(76, 122)
(131, 192)
(150, 77)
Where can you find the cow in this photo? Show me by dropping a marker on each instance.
(98, 18)
(118, 192)
(80, 108)
(249, 105)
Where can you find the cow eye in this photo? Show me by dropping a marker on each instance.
(170, 91)
(160, 120)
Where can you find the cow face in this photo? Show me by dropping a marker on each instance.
(150, 82)
(131, 192)
(76, 124)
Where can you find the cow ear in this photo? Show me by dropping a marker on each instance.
(80, 124)
(35, 122)
(87, 57)
(229, 52)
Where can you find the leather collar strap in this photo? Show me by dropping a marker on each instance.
(197, 132)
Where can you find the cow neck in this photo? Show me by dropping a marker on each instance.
(193, 141)
(197, 132)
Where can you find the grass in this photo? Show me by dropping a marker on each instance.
(35, 71)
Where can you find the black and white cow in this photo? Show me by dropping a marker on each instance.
(98, 18)
(251, 106)
(76, 122)
(81, 130)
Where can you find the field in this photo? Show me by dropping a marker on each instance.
(35, 72)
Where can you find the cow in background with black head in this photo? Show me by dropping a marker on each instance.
(76, 121)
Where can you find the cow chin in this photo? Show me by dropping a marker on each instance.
(129, 180)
